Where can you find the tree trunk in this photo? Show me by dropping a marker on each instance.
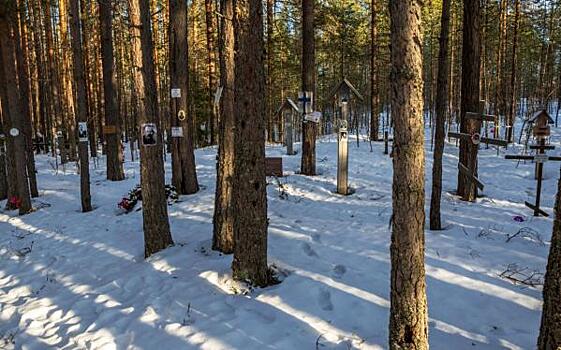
(184, 173)
(550, 330)
(211, 62)
(223, 219)
(374, 95)
(512, 103)
(471, 57)
(3, 174)
(55, 124)
(408, 312)
(11, 100)
(441, 113)
(249, 188)
(44, 113)
(309, 129)
(157, 235)
(26, 105)
(69, 120)
(111, 108)
(270, 121)
(82, 107)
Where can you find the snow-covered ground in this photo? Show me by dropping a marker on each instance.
(72, 280)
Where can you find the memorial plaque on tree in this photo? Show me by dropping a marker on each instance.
(149, 134)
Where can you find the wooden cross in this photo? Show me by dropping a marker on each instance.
(539, 158)
(476, 138)
(468, 173)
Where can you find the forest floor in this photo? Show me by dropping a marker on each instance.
(72, 280)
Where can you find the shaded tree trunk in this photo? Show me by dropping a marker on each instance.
(223, 218)
(309, 129)
(408, 311)
(26, 105)
(211, 62)
(3, 175)
(184, 173)
(11, 100)
(157, 235)
(512, 103)
(374, 95)
(471, 57)
(441, 113)
(112, 133)
(249, 187)
(550, 330)
(81, 107)
(269, 74)
(54, 84)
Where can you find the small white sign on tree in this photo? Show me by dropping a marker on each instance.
(175, 93)
(176, 131)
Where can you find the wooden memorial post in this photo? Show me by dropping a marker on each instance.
(289, 134)
(539, 158)
(541, 131)
(470, 174)
(288, 108)
(342, 154)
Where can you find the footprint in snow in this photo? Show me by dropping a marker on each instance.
(324, 300)
(309, 250)
(339, 271)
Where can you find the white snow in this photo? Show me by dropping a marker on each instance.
(72, 280)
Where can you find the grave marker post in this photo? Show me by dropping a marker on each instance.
(342, 152)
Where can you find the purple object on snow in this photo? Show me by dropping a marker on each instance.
(518, 218)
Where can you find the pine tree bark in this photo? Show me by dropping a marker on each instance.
(441, 114)
(249, 188)
(471, 58)
(69, 120)
(8, 143)
(114, 147)
(550, 330)
(81, 107)
(20, 35)
(512, 103)
(3, 174)
(211, 62)
(184, 173)
(270, 121)
(309, 129)
(11, 100)
(374, 93)
(223, 218)
(54, 102)
(408, 311)
(44, 114)
(157, 235)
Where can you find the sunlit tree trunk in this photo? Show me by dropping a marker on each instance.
(157, 235)
(408, 311)
(250, 194)
(184, 174)
(81, 98)
(309, 129)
